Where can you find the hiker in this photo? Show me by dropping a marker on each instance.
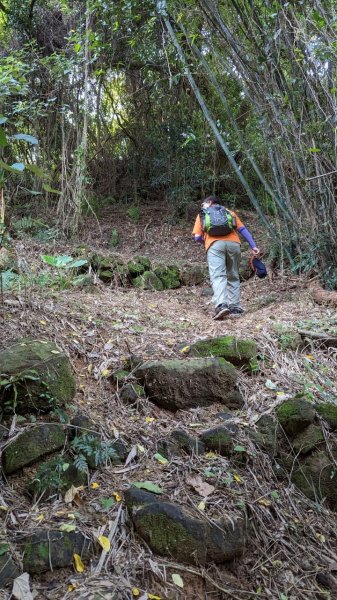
(218, 227)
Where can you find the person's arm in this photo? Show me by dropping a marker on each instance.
(197, 231)
(247, 236)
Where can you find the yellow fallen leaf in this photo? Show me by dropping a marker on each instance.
(277, 563)
(67, 527)
(71, 516)
(309, 356)
(211, 455)
(78, 564)
(152, 597)
(117, 496)
(55, 352)
(43, 322)
(71, 493)
(149, 419)
(104, 542)
(264, 502)
(95, 486)
(237, 478)
(90, 368)
(320, 537)
(135, 592)
(106, 373)
(140, 448)
(39, 518)
(2, 507)
(72, 587)
(185, 349)
(202, 505)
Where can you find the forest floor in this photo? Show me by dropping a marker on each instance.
(293, 540)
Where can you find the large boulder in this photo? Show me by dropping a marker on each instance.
(193, 274)
(307, 440)
(316, 477)
(265, 435)
(138, 265)
(241, 353)
(295, 415)
(8, 570)
(31, 445)
(50, 549)
(179, 443)
(39, 377)
(180, 384)
(170, 531)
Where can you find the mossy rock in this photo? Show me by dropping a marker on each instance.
(81, 424)
(308, 440)
(192, 274)
(218, 439)
(328, 412)
(8, 260)
(148, 281)
(41, 374)
(295, 415)
(31, 445)
(179, 384)
(49, 549)
(181, 441)
(316, 477)
(169, 276)
(241, 353)
(169, 531)
(265, 435)
(138, 265)
(8, 570)
(106, 275)
(54, 477)
(131, 392)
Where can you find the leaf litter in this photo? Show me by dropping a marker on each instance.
(290, 542)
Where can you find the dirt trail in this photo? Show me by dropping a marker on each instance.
(99, 330)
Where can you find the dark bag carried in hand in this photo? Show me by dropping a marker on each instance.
(217, 221)
(258, 267)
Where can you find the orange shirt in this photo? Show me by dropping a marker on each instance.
(231, 237)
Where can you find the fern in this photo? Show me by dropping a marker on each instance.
(80, 462)
(91, 450)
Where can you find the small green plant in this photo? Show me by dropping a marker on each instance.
(91, 451)
(133, 212)
(50, 476)
(64, 261)
(9, 386)
(114, 238)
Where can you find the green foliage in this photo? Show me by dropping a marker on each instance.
(133, 212)
(91, 451)
(64, 261)
(114, 238)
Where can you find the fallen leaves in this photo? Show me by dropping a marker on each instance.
(71, 495)
(21, 588)
(177, 580)
(161, 459)
(149, 486)
(78, 564)
(67, 527)
(104, 542)
(201, 487)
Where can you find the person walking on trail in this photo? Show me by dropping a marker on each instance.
(218, 228)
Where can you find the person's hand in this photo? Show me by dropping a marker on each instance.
(255, 251)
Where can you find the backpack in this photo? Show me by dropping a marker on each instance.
(217, 221)
(258, 267)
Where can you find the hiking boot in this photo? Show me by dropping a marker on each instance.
(236, 311)
(221, 312)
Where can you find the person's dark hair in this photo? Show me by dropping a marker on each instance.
(213, 200)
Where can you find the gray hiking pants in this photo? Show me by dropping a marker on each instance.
(223, 264)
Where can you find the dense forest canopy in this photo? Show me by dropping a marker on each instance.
(135, 100)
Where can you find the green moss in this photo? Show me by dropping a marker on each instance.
(138, 265)
(167, 536)
(316, 477)
(131, 392)
(169, 276)
(43, 551)
(31, 445)
(148, 281)
(41, 376)
(238, 352)
(308, 439)
(219, 440)
(295, 415)
(328, 412)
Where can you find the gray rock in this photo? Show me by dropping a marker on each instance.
(218, 439)
(131, 392)
(170, 531)
(316, 477)
(180, 384)
(8, 570)
(42, 377)
(239, 352)
(51, 549)
(181, 442)
(265, 435)
(31, 445)
(295, 415)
